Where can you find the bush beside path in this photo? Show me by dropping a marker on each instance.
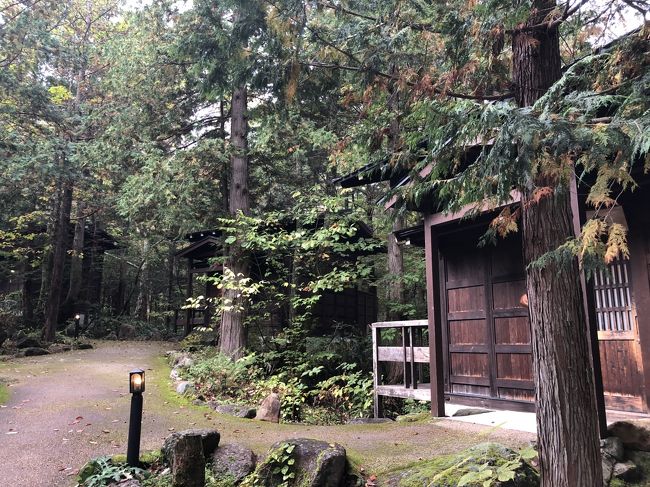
(66, 408)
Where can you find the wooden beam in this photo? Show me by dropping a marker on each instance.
(395, 354)
(580, 217)
(434, 319)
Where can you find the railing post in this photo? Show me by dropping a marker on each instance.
(375, 372)
(406, 379)
(414, 380)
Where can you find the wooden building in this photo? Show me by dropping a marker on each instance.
(352, 306)
(478, 345)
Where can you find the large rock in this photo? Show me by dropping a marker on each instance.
(315, 463)
(237, 410)
(209, 439)
(233, 461)
(613, 446)
(126, 332)
(34, 351)
(269, 410)
(59, 348)
(447, 470)
(634, 433)
(27, 341)
(188, 462)
(626, 471)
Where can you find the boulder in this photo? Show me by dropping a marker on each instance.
(447, 470)
(315, 463)
(126, 332)
(369, 421)
(183, 387)
(59, 348)
(626, 471)
(188, 461)
(613, 446)
(237, 410)
(209, 439)
(233, 462)
(27, 341)
(269, 410)
(634, 433)
(34, 351)
(186, 362)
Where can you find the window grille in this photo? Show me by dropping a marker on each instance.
(613, 297)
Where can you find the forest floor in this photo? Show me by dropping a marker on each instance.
(64, 409)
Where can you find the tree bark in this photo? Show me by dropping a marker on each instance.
(143, 300)
(567, 421)
(233, 331)
(76, 261)
(59, 252)
(396, 272)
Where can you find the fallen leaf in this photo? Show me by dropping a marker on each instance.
(105, 431)
(12, 432)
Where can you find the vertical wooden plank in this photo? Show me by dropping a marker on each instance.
(579, 217)
(188, 315)
(414, 381)
(406, 380)
(375, 371)
(640, 286)
(489, 322)
(434, 317)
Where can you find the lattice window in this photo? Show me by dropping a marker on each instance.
(613, 298)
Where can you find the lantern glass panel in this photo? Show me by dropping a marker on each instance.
(136, 381)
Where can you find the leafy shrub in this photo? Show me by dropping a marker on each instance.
(215, 374)
(104, 471)
(350, 393)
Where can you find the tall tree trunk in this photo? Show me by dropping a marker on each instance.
(233, 331)
(396, 272)
(46, 267)
(567, 421)
(59, 253)
(76, 261)
(171, 278)
(143, 301)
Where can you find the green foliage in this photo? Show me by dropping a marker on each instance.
(279, 463)
(216, 375)
(103, 471)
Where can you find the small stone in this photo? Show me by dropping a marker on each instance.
(174, 375)
(186, 362)
(183, 387)
(84, 346)
(233, 461)
(269, 410)
(627, 471)
(59, 348)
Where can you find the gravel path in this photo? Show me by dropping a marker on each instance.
(67, 408)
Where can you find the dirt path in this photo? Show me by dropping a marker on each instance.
(67, 408)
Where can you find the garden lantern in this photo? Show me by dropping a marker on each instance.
(77, 320)
(136, 388)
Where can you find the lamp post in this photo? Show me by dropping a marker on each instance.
(77, 319)
(136, 388)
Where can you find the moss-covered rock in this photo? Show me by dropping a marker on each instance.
(484, 461)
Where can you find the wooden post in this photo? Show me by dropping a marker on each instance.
(406, 381)
(579, 217)
(375, 370)
(190, 312)
(414, 381)
(433, 315)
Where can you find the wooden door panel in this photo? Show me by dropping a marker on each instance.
(507, 295)
(467, 332)
(466, 299)
(518, 366)
(470, 365)
(512, 331)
